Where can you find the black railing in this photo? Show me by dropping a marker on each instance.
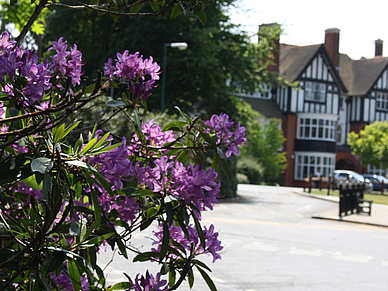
(351, 195)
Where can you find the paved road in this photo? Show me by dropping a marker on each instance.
(272, 243)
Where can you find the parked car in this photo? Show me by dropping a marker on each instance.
(343, 175)
(376, 181)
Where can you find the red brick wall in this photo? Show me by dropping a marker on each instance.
(290, 134)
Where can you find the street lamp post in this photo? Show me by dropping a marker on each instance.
(179, 45)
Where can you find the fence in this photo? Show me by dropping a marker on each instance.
(352, 199)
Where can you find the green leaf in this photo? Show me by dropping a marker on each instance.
(164, 269)
(102, 140)
(42, 165)
(207, 279)
(56, 261)
(184, 114)
(74, 275)
(176, 11)
(136, 8)
(201, 14)
(171, 277)
(154, 6)
(177, 125)
(115, 103)
(169, 213)
(81, 164)
(120, 286)
(74, 229)
(58, 133)
(202, 265)
(97, 240)
(13, 2)
(165, 241)
(137, 120)
(15, 170)
(5, 254)
(199, 231)
(89, 145)
(142, 193)
(190, 277)
(47, 185)
(70, 128)
(225, 169)
(143, 257)
(106, 149)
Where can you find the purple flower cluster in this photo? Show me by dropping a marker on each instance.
(213, 245)
(149, 283)
(17, 62)
(154, 137)
(115, 167)
(21, 187)
(141, 74)
(62, 281)
(191, 184)
(68, 63)
(223, 128)
(14, 61)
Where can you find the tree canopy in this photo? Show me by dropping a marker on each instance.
(370, 145)
(220, 60)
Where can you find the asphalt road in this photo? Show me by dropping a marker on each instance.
(272, 243)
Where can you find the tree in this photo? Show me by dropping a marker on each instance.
(265, 142)
(67, 190)
(370, 145)
(219, 62)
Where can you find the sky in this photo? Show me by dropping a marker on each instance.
(304, 22)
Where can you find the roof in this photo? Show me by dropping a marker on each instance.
(267, 107)
(360, 75)
(294, 60)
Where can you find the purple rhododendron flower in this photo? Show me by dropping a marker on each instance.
(191, 184)
(223, 130)
(154, 137)
(69, 63)
(141, 74)
(18, 62)
(213, 245)
(62, 281)
(149, 283)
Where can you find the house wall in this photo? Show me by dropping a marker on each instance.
(310, 127)
(289, 129)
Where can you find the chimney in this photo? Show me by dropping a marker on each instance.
(378, 48)
(276, 50)
(332, 45)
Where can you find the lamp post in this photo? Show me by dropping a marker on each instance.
(179, 45)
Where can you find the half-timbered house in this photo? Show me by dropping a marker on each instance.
(335, 95)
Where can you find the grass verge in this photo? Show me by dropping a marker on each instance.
(376, 197)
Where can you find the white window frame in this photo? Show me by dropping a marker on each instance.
(382, 101)
(314, 91)
(377, 171)
(317, 127)
(307, 163)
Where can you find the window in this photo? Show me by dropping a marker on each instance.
(313, 163)
(382, 101)
(377, 171)
(315, 92)
(317, 128)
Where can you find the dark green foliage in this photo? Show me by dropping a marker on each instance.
(251, 168)
(199, 80)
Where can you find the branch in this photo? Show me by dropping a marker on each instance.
(113, 10)
(38, 9)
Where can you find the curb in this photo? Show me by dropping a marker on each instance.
(349, 221)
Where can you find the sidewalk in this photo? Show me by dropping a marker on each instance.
(379, 215)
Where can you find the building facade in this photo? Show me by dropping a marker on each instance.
(335, 95)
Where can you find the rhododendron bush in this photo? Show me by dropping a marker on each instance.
(66, 192)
